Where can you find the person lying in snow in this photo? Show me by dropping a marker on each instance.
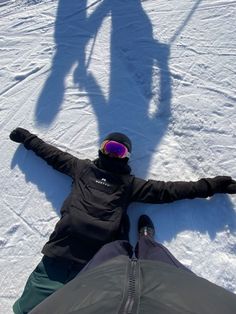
(145, 279)
(92, 214)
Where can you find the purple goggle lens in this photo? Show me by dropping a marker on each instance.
(115, 149)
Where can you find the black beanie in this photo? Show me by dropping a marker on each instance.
(120, 138)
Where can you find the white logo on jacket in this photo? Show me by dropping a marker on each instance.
(103, 181)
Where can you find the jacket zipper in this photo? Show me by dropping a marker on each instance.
(128, 305)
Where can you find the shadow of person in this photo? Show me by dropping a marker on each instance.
(71, 35)
(56, 186)
(138, 65)
(139, 97)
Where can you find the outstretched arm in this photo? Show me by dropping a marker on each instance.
(165, 192)
(59, 160)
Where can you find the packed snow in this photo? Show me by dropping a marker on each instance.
(163, 72)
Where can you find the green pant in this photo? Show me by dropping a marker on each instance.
(50, 275)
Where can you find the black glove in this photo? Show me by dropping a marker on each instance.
(19, 135)
(223, 184)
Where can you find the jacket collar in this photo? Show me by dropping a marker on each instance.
(115, 165)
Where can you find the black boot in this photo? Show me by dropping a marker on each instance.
(146, 227)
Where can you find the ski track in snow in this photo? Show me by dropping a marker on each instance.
(161, 72)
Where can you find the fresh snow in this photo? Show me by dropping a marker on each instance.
(161, 71)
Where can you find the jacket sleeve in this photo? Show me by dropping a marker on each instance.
(59, 160)
(165, 192)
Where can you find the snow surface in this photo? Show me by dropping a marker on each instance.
(161, 71)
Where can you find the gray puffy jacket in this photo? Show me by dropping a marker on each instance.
(131, 286)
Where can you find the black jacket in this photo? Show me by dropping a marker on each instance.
(99, 198)
(125, 286)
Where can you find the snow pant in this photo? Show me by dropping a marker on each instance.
(50, 275)
(146, 248)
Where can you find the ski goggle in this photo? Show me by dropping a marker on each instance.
(114, 149)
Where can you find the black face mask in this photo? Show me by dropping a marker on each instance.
(115, 165)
